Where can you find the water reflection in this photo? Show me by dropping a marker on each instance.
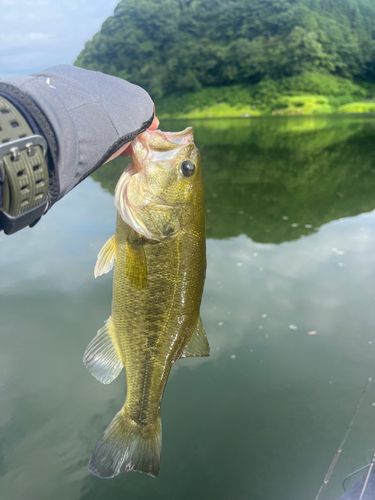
(263, 416)
(276, 179)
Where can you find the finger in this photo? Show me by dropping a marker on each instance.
(154, 125)
(155, 122)
(119, 152)
(128, 151)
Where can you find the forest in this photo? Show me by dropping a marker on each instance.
(254, 53)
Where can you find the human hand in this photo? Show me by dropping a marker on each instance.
(126, 150)
(86, 117)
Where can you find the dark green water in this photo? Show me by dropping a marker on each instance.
(291, 250)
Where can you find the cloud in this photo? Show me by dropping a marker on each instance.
(59, 31)
(40, 36)
(28, 41)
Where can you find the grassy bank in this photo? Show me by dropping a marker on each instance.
(309, 93)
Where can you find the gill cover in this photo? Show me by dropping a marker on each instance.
(155, 192)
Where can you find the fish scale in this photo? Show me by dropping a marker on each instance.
(159, 257)
(157, 328)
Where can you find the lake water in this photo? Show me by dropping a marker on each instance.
(288, 309)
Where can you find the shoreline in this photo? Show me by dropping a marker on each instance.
(183, 118)
(309, 94)
(303, 105)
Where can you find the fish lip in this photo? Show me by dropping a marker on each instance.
(160, 146)
(184, 139)
(175, 142)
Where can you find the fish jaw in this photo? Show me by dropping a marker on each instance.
(128, 182)
(140, 192)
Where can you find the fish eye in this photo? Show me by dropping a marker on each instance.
(187, 168)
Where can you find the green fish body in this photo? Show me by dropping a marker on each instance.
(159, 258)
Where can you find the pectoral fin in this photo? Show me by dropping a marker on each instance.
(101, 357)
(106, 257)
(136, 266)
(198, 344)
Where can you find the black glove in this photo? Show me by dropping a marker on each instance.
(85, 117)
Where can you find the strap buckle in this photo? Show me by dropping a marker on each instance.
(12, 150)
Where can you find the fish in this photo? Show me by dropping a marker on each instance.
(158, 253)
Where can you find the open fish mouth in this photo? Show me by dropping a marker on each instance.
(132, 190)
(158, 146)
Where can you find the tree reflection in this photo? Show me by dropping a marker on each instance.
(276, 179)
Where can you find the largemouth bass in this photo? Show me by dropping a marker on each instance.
(159, 257)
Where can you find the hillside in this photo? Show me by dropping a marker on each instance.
(179, 47)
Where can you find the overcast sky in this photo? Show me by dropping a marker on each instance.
(36, 34)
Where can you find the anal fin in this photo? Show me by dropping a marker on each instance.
(198, 344)
(101, 357)
(106, 257)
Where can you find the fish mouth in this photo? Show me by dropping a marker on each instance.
(158, 146)
(131, 191)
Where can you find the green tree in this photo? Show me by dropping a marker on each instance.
(170, 46)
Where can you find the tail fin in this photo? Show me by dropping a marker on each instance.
(127, 446)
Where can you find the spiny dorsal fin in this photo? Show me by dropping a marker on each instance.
(136, 266)
(101, 357)
(198, 344)
(106, 257)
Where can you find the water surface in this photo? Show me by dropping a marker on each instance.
(288, 308)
